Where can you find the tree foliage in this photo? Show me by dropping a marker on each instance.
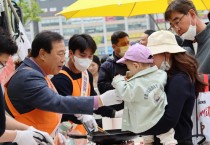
(30, 10)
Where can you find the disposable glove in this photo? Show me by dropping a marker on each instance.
(41, 136)
(110, 98)
(25, 138)
(62, 139)
(89, 120)
(119, 114)
(65, 127)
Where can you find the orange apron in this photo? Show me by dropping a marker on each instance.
(40, 119)
(77, 84)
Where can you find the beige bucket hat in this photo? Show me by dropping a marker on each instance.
(163, 41)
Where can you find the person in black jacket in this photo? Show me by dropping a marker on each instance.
(109, 69)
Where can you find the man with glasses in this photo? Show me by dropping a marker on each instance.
(175, 24)
(185, 22)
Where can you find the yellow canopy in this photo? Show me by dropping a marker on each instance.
(97, 8)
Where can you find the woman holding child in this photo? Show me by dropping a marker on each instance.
(169, 116)
(182, 87)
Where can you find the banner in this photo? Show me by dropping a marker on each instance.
(23, 43)
(204, 114)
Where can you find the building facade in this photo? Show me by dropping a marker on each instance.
(100, 28)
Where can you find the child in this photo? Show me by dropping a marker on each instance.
(143, 93)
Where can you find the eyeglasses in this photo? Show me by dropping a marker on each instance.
(175, 25)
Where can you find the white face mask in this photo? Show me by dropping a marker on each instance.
(82, 64)
(190, 34)
(123, 50)
(165, 66)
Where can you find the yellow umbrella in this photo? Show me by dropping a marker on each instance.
(97, 8)
(202, 4)
(94, 8)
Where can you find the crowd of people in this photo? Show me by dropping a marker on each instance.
(151, 84)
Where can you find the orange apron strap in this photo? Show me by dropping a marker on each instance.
(79, 128)
(16, 113)
(54, 133)
(50, 84)
(8, 102)
(65, 73)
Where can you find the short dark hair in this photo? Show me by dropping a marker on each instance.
(149, 32)
(82, 42)
(208, 15)
(181, 6)
(118, 35)
(44, 40)
(7, 44)
(96, 60)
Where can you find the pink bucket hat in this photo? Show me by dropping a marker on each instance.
(138, 53)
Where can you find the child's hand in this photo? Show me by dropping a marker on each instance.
(117, 76)
(126, 78)
(117, 79)
(128, 75)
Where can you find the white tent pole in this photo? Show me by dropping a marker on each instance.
(7, 15)
(14, 11)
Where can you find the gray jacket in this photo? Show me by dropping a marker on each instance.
(144, 98)
(203, 51)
